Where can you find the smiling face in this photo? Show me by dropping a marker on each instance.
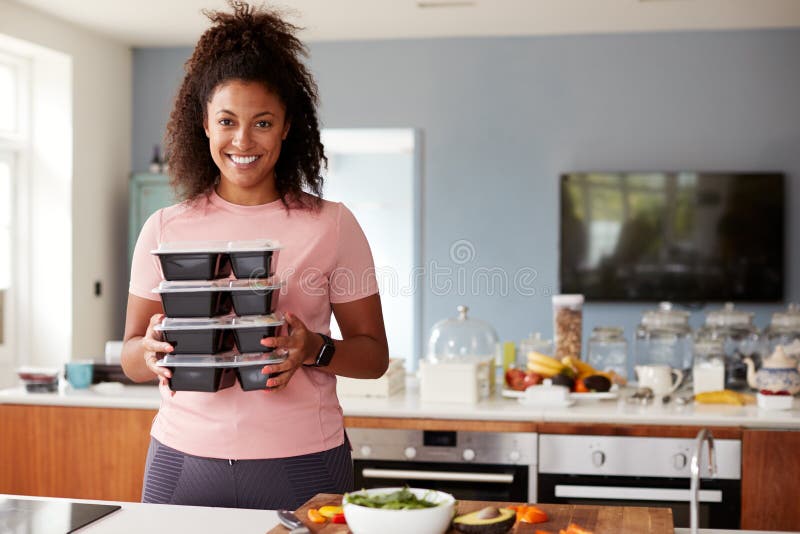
(246, 124)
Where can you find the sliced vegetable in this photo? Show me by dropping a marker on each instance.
(314, 516)
(330, 511)
(529, 514)
(339, 519)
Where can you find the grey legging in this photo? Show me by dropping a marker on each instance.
(172, 477)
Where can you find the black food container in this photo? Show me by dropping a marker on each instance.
(251, 379)
(253, 259)
(254, 297)
(212, 373)
(249, 331)
(195, 299)
(197, 336)
(195, 260)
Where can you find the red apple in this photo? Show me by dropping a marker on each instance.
(531, 379)
(515, 379)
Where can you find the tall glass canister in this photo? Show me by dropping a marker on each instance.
(784, 328)
(608, 350)
(664, 337)
(567, 325)
(740, 339)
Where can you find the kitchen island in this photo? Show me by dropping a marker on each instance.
(135, 518)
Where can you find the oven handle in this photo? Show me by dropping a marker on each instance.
(447, 476)
(634, 494)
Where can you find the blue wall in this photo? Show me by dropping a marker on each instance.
(503, 117)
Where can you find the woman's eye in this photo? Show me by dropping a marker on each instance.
(225, 122)
(263, 124)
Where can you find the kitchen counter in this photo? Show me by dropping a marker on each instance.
(135, 518)
(408, 405)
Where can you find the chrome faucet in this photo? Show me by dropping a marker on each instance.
(694, 499)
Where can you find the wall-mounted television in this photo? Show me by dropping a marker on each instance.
(679, 236)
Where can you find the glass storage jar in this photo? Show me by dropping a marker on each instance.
(740, 339)
(460, 360)
(567, 325)
(608, 350)
(784, 328)
(708, 370)
(535, 343)
(664, 337)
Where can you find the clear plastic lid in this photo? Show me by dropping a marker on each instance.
(253, 321)
(183, 247)
(225, 322)
(729, 316)
(461, 339)
(786, 320)
(228, 359)
(167, 286)
(255, 284)
(666, 318)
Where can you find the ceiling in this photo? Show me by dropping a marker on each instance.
(151, 23)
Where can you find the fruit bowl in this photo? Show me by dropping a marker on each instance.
(366, 520)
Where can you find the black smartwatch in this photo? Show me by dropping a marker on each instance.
(325, 353)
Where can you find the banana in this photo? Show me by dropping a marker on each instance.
(581, 368)
(725, 396)
(544, 365)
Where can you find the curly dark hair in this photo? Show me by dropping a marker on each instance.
(252, 44)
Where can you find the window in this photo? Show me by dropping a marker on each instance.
(14, 76)
(374, 172)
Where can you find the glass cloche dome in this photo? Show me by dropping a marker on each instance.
(461, 340)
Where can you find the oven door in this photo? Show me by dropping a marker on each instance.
(478, 482)
(718, 507)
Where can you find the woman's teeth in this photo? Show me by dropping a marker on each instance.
(243, 160)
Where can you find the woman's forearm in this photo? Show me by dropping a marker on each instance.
(358, 357)
(133, 363)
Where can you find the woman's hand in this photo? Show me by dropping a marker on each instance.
(154, 349)
(301, 346)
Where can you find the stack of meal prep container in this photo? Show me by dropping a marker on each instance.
(208, 314)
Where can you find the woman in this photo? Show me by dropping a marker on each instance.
(245, 144)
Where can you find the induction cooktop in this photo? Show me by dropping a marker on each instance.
(33, 516)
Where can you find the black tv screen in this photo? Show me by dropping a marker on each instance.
(679, 236)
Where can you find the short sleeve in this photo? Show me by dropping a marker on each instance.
(353, 276)
(145, 270)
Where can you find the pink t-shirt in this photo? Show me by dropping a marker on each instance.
(325, 259)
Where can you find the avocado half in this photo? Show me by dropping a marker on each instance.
(489, 520)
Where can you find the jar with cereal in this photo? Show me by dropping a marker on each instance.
(567, 325)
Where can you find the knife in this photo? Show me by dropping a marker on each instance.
(290, 521)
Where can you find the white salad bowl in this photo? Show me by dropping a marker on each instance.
(435, 520)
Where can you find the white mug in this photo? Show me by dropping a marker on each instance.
(659, 378)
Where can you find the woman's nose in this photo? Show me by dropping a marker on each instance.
(242, 139)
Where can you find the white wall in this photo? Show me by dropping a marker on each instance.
(101, 100)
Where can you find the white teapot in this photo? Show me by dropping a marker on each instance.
(779, 372)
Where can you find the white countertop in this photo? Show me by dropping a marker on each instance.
(135, 518)
(408, 404)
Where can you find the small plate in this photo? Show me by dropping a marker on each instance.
(606, 395)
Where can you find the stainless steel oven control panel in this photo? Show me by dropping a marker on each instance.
(634, 456)
(505, 448)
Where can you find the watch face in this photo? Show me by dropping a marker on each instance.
(326, 353)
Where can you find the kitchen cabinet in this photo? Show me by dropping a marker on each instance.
(148, 193)
(770, 474)
(75, 452)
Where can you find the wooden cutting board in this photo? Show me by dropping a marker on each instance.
(598, 519)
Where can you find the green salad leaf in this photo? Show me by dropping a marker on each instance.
(403, 499)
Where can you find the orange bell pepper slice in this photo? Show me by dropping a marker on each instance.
(314, 516)
(533, 514)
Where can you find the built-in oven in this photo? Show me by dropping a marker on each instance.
(486, 466)
(641, 471)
